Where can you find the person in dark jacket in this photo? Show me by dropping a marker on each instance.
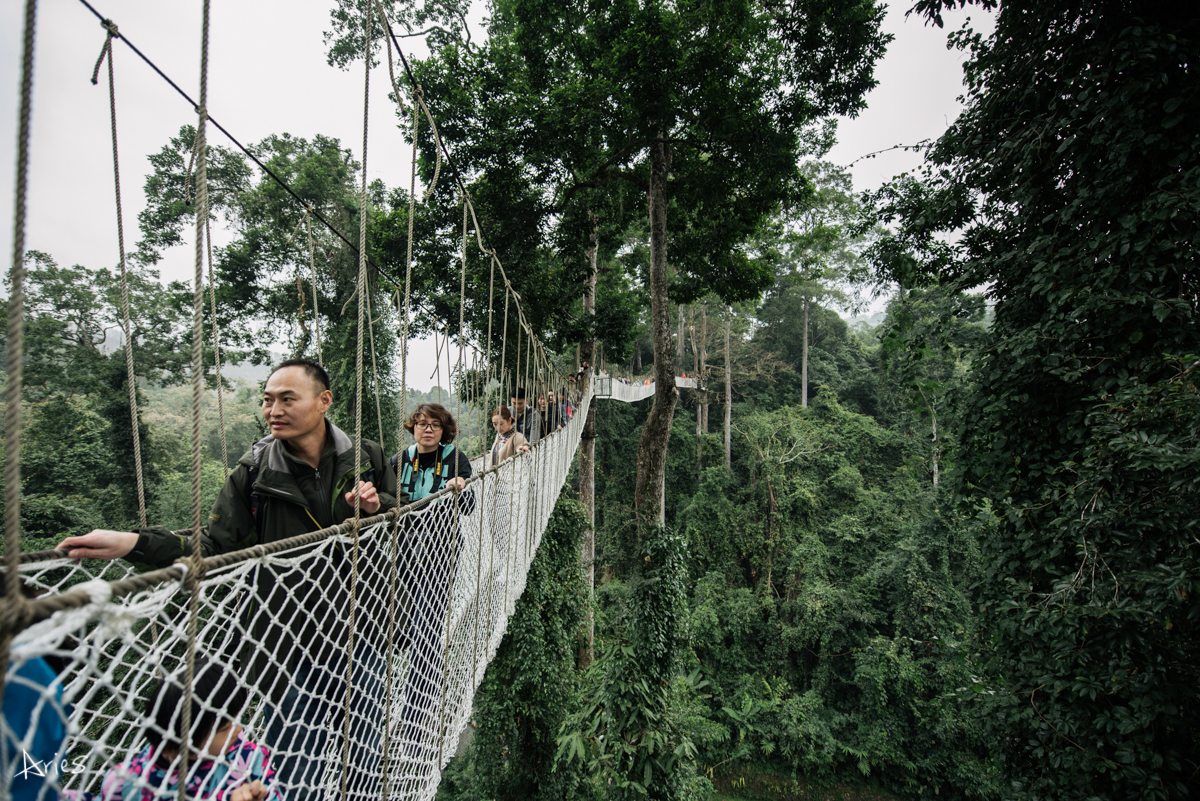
(556, 417)
(528, 423)
(301, 478)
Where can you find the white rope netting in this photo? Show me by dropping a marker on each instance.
(436, 584)
(615, 388)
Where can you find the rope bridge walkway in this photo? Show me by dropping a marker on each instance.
(436, 583)
(354, 651)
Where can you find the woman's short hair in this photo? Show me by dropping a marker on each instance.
(431, 412)
(503, 412)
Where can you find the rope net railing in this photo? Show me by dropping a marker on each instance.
(436, 582)
(615, 388)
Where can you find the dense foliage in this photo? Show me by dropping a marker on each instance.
(531, 685)
(1073, 177)
(830, 604)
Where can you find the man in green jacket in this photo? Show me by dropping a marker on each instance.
(301, 478)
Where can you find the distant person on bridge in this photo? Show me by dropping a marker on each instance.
(567, 406)
(301, 478)
(555, 417)
(547, 419)
(527, 421)
(508, 442)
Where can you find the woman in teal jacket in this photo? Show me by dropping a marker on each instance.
(428, 562)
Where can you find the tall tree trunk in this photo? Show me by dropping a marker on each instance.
(702, 373)
(933, 415)
(649, 493)
(804, 361)
(679, 343)
(587, 466)
(696, 392)
(728, 394)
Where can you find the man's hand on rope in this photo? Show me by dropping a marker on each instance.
(368, 497)
(457, 481)
(100, 544)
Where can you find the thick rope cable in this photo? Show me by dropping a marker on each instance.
(491, 312)
(436, 375)
(15, 612)
(408, 259)
(212, 296)
(506, 391)
(464, 392)
(437, 165)
(358, 404)
(446, 349)
(393, 560)
(312, 264)
(517, 375)
(478, 580)
(126, 327)
(441, 729)
(397, 95)
(196, 568)
(374, 367)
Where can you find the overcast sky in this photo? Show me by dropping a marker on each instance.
(267, 74)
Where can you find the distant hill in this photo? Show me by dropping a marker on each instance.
(254, 373)
(866, 322)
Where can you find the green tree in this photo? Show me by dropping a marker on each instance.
(815, 250)
(830, 610)
(270, 281)
(928, 339)
(626, 734)
(596, 107)
(73, 327)
(1074, 176)
(73, 347)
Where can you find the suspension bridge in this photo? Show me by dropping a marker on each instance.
(401, 611)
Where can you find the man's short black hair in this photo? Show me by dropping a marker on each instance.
(520, 393)
(315, 371)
